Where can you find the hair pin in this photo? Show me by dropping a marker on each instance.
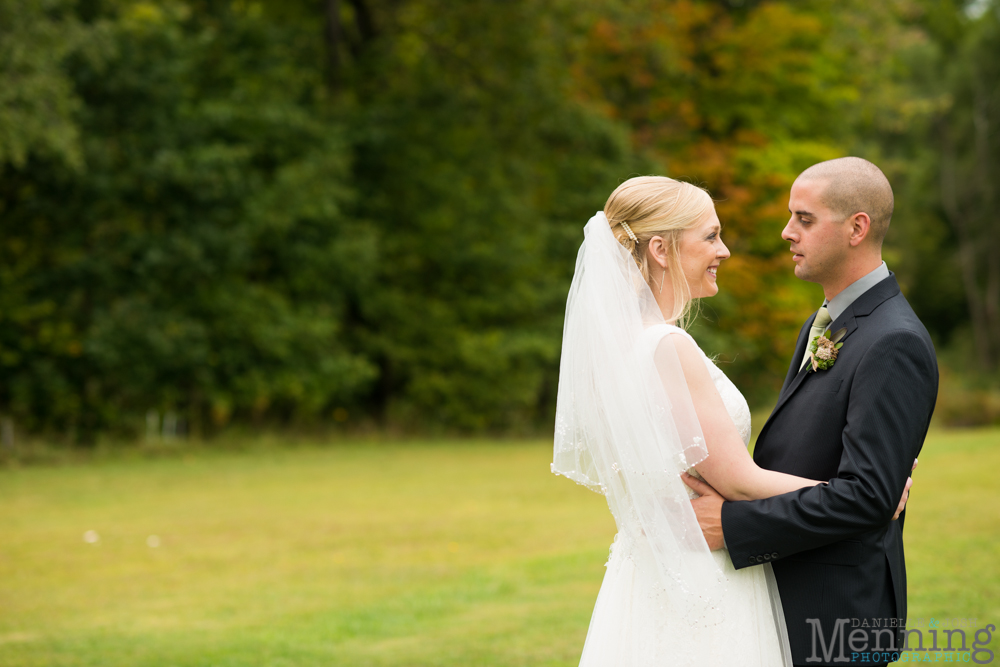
(628, 230)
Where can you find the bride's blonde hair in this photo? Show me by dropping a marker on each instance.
(658, 206)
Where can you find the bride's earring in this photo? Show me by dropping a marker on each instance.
(663, 279)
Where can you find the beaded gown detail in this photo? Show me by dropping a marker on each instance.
(638, 621)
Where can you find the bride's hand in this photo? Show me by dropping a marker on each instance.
(906, 493)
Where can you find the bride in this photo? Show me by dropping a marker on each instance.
(639, 406)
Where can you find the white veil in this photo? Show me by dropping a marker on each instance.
(626, 426)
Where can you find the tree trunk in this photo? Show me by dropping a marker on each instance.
(967, 255)
(986, 211)
(363, 17)
(334, 36)
(993, 295)
(7, 432)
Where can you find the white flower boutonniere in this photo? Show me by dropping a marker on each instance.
(823, 349)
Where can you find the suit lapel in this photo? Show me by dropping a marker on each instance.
(800, 349)
(862, 307)
(797, 381)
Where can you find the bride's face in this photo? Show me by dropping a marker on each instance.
(702, 250)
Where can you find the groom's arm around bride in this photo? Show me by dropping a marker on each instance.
(859, 422)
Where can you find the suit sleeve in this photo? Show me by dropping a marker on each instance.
(889, 408)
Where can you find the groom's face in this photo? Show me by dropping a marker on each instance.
(818, 238)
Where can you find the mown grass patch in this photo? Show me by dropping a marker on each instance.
(422, 553)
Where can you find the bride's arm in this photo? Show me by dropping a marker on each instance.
(729, 467)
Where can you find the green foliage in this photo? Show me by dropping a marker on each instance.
(37, 100)
(200, 259)
(475, 175)
(246, 242)
(945, 162)
(289, 210)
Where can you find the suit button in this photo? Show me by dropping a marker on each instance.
(767, 556)
(752, 560)
(760, 559)
(774, 555)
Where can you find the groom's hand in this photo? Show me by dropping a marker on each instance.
(708, 508)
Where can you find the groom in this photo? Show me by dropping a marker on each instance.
(836, 552)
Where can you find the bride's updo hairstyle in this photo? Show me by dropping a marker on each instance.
(658, 206)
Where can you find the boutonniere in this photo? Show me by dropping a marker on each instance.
(823, 349)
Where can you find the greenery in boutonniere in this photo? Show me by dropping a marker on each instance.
(823, 349)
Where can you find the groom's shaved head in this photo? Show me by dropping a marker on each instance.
(855, 185)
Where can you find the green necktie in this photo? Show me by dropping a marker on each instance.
(819, 327)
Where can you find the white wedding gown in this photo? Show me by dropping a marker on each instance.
(637, 622)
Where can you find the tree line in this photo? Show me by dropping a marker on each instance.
(367, 211)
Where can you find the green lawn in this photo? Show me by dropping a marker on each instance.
(352, 554)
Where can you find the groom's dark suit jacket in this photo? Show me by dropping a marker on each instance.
(835, 550)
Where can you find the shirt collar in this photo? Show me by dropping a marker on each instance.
(838, 304)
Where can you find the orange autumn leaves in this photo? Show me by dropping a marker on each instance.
(738, 101)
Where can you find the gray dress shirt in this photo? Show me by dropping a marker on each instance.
(838, 304)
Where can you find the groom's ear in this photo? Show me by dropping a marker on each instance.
(861, 225)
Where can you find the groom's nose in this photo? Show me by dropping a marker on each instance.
(787, 233)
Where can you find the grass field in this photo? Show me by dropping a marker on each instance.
(354, 554)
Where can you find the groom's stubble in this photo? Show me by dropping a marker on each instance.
(840, 213)
(824, 242)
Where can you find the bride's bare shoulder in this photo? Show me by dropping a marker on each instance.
(679, 340)
(678, 347)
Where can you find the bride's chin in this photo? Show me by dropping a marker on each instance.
(706, 289)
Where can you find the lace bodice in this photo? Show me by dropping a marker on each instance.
(736, 404)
